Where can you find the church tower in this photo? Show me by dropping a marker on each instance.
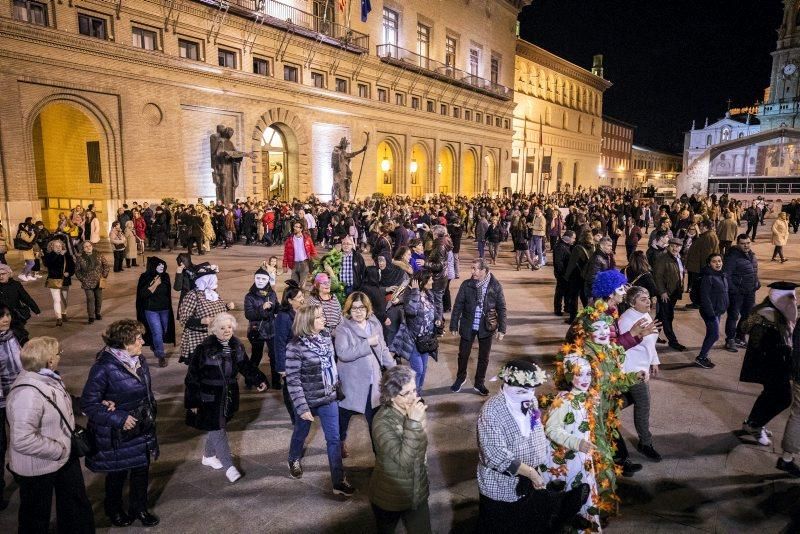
(782, 105)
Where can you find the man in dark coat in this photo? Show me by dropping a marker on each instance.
(560, 261)
(768, 358)
(668, 275)
(154, 307)
(741, 266)
(479, 311)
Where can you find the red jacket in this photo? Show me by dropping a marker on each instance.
(288, 250)
(269, 220)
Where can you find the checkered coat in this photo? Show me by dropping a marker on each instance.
(194, 308)
(503, 448)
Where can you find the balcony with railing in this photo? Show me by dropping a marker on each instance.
(290, 18)
(412, 61)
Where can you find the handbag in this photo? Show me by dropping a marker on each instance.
(81, 440)
(426, 343)
(101, 283)
(340, 396)
(54, 283)
(491, 320)
(21, 244)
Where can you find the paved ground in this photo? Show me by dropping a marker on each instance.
(710, 479)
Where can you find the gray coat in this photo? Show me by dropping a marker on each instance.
(358, 364)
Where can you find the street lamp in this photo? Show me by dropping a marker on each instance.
(413, 168)
(386, 165)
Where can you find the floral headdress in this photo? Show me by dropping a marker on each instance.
(520, 373)
(573, 363)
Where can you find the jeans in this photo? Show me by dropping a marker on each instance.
(419, 363)
(345, 415)
(464, 349)
(73, 510)
(739, 307)
(535, 248)
(138, 490)
(417, 521)
(26, 270)
(329, 419)
(481, 248)
(438, 304)
(778, 252)
(217, 445)
(94, 301)
(493, 251)
(158, 321)
(712, 335)
(119, 255)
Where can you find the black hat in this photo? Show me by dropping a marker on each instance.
(785, 286)
(206, 268)
(522, 373)
(261, 270)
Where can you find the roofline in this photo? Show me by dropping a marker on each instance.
(643, 148)
(537, 54)
(608, 118)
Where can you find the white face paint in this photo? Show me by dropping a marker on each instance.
(583, 379)
(160, 268)
(601, 333)
(261, 280)
(517, 395)
(621, 290)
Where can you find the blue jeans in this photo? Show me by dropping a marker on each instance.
(536, 249)
(712, 335)
(481, 248)
(158, 321)
(329, 418)
(738, 310)
(419, 363)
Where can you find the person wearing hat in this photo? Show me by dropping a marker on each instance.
(154, 307)
(512, 447)
(668, 275)
(198, 309)
(260, 307)
(767, 361)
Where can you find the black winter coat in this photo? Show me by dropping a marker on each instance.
(560, 260)
(212, 384)
(467, 301)
(163, 293)
(578, 258)
(57, 264)
(599, 262)
(110, 380)
(262, 322)
(13, 295)
(713, 292)
(742, 271)
(768, 357)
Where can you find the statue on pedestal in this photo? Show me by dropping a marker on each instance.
(342, 173)
(225, 163)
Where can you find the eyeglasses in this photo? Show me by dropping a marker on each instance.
(358, 307)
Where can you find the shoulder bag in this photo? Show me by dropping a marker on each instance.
(81, 441)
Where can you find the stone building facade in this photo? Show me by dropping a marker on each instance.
(655, 168)
(615, 162)
(108, 101)
(557, 123)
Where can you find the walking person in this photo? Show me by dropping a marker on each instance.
(519, 238)
(561, 253)
(11, 343)
(399, 488)
(780, 235)
(313, 381)
(212, 390)
(538, 228)
(791, 434)
(633, 233)
(481, 230)
(25, 241)
(713, 302)
(60, 267)
(154, 307)
(494, 234)
(131, 250)
(125, 436)
(298, 251)
(668, 276)
(291, 301)
(578, 258)
(741, 266)
(92, 269)
(199, 308)
(40, 420)
(479, 311)
(726, 232)
(701, 248)
(260, 306)
(322, 296)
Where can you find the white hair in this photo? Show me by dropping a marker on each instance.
(220, 320)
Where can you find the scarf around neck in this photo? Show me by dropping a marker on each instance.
(126, 358)
(9, 352)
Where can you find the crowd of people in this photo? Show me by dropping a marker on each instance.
(349, 336)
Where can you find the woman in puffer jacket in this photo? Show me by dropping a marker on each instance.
(313, 381)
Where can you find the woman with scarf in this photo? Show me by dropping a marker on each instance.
(260, 305)
(154, 308)
(331, 308)
(212, 390)
(119, 403)
(92, 269)
(291, 301)
(60, 268)
(512, 450)
(313, 382)
(198, 309)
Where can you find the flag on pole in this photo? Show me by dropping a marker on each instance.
(366, 7)
(342, 3)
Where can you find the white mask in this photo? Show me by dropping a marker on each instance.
(261, 280)
(601, 333)
(517, 395)
(160, 268)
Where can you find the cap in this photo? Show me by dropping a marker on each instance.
(206, 268)
(675, 241)
(785, 286)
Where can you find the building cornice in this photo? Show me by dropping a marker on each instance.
(542, 57)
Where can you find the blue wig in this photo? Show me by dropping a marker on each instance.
(607, 282)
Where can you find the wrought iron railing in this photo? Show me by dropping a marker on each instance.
(411, 60)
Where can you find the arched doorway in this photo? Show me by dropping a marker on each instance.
(469, 181)
(72, 162)
(386, 169)
(491, 181)
(421, 181)
(445, 168)
(275, 165)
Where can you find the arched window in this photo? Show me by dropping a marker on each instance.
(741, 134)
(726, 134)
(708, 140)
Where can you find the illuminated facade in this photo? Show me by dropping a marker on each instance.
(615, 162)
(654, 167)
(108, 101)
(557, 123)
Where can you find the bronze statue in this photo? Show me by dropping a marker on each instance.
(342, 173)
(225, 163)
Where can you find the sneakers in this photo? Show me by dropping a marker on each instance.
(25, 278)
(704, 362)
(677, 346)
(629, 468)
(456, 387)
(761, 434)
(741, 343)
(730, 346)
(295, 469)
(649, 451)
(344, 488)
(232, 474)
(790, 467)
(212, 462)
(481, 389)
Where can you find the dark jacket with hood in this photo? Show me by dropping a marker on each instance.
(742, 270)
(713, 292)
(212, 384)
(158, 300)
(262, 322)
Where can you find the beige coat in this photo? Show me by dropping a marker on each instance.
(780, 232)
(130, 241)
(727, 230)
(39, 441)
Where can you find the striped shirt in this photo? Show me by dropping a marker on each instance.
(332, 311)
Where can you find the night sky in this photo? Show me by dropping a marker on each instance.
(670, 61)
